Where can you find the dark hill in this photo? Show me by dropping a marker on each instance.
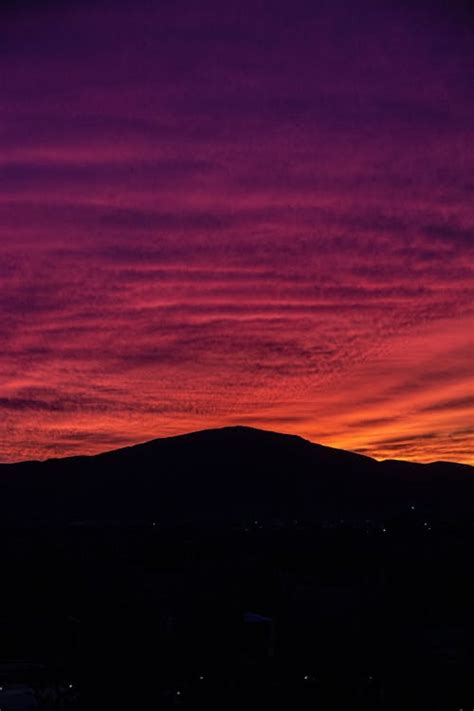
(229, 475)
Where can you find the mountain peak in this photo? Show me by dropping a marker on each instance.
(227, 475)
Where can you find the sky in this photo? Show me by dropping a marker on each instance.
(217, 213)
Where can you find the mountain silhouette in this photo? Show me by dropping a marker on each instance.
(230, 476)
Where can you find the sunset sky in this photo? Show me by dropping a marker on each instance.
(253, 212)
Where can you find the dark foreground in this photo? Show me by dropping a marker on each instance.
(258, 616)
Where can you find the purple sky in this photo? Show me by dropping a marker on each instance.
(253, 212)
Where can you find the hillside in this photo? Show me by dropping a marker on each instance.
(228, 476)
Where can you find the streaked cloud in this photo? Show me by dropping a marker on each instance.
(257, 214)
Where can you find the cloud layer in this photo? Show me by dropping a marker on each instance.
(255, 214)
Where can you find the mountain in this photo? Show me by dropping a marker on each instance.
(229, 476)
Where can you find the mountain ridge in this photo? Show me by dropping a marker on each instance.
(232, 428)
(228, 475)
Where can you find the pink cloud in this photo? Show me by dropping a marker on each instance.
(211, 217)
